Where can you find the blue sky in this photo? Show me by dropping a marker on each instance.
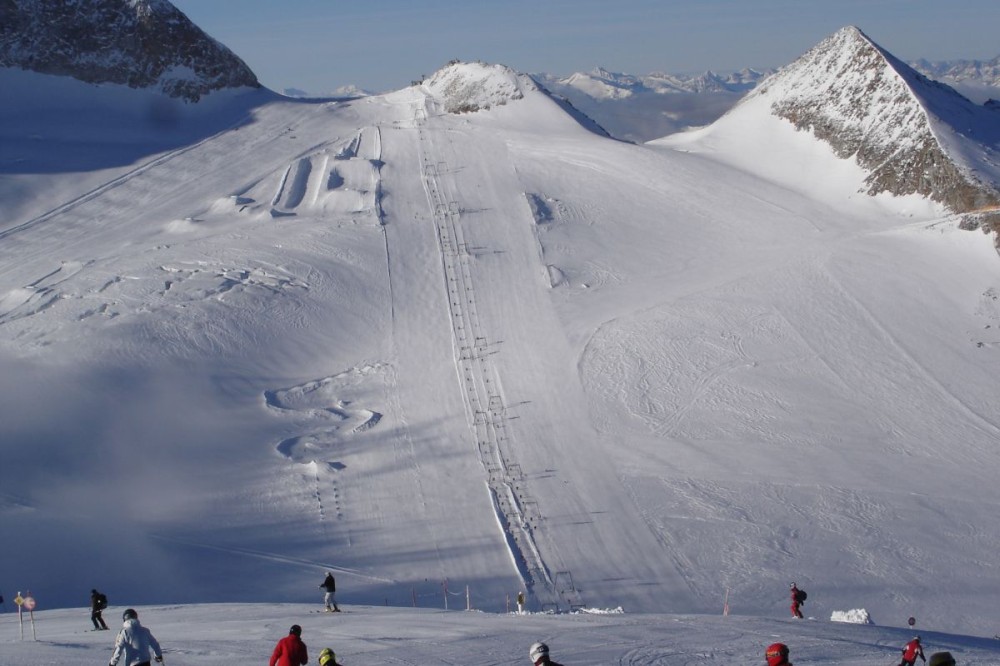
(318, 45)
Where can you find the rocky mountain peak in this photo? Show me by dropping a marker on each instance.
(138, 43)
(464, 87)
(911, 134)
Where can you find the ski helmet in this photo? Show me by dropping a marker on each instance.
(916, 638)
(537, 651)
(327, 656)
(130, 614)
(295, 629)
(777, 654)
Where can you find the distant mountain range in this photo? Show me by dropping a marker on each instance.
(983, 72)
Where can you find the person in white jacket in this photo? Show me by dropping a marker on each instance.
(134, 643)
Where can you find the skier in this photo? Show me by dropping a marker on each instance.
(911, 651)
(941, 659)
(798, 598)
(98, 602)
(328, 658)
(290, 650)
(134, 642)
(330, 585)
(539, 654)
(520, 603)
(777, 655)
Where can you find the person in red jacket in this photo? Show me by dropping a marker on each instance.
(911, 651)
(290, 650)
(777, 655)
(798, 597)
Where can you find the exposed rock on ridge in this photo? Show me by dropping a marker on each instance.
(899, 126)
(138, 43)
(469, 87)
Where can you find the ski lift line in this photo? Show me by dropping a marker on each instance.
(311, 564)
(459, 277)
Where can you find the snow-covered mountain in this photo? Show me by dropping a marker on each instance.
(910, 134)
(641, 108)
(982, 72)
(138, 43)
(448, 338)
(470, 87)
(601, 83)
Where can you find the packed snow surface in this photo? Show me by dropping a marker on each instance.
(225, 634)
(488, 350)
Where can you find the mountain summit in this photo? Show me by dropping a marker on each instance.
(462, 87)
(910, 134)
(139, 43)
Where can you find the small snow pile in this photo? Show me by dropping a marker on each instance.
(601, 611)
(856, 616)
(469, 87)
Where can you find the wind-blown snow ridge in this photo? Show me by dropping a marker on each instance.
(896, 123)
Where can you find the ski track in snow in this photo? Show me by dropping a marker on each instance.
(708, 401)
(320, 403)
(516, 511)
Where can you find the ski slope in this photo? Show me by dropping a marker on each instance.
(495, 349)
(227, 633)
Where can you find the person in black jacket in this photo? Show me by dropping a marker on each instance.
(330, 585)
(98, 602)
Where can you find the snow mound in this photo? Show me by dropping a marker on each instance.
(601, 611)
(855, 616)
(470, 87)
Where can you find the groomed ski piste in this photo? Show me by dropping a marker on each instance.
(224, 634)
(447, 339)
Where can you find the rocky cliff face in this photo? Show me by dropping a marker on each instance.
(912, 135)
(138, 43)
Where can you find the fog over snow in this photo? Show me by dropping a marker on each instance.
(450, 334)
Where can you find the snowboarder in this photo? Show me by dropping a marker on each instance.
(290, 650)
(520, 602)
(98, 602)
(911, 651)
(328, 658)
(539, 654)
(134, 642)
(941, 659)
(777, 654)
(330, 585)
(798, 598)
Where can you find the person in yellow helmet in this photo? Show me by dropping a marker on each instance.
(328, 658)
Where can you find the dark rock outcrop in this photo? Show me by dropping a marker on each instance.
(138, 43)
